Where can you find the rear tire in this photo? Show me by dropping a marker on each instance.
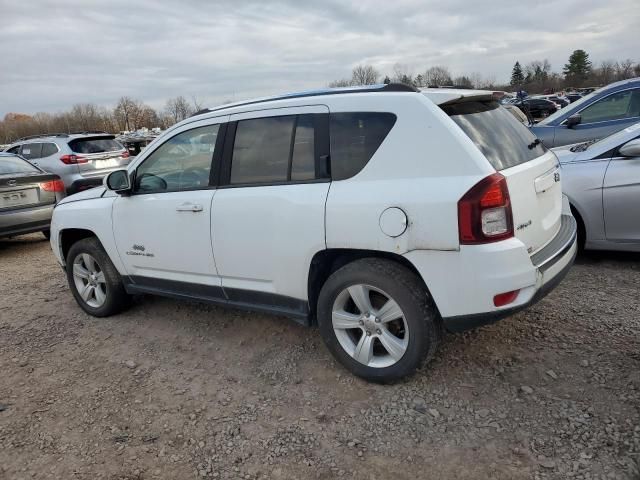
(94, 281)
(359, 324)
(47, 234)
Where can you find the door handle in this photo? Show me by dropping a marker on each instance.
(189, 207)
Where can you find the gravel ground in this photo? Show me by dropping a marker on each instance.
(172, 389)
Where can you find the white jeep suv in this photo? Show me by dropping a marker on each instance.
(382, 214)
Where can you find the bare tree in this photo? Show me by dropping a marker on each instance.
(402, 74)
(178, 109)
(364, 75)
(340, 83)
(437, 76)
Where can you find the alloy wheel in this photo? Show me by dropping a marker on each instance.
(89, 280)
(370, 326)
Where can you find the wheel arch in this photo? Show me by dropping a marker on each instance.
(325, 262)
(69, 236)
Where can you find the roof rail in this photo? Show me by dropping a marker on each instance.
(85, 132)
(42, 135)
(382, 87)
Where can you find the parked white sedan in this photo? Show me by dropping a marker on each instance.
(602, 181)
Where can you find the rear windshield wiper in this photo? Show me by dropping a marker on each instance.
(533, 144)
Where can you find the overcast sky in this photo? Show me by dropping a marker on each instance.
(57, 53)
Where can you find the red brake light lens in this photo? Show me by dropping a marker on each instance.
(73, 159)
(125, 154)
(505, 298)
(53, 186)
(484, 212)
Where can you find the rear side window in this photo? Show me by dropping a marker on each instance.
(261, 150)
(503, 140)
(49, 149)
(15, 165)
(274, 150)
(355, 137)
(31, 151)
(95, 145)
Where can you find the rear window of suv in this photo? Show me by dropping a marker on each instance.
(95, 145)
(503, 140)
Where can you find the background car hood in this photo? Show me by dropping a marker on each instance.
(96, 192)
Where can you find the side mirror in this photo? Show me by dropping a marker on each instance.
(631, 149)
(574, 120)
(118, 181)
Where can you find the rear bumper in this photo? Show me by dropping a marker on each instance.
(25, 220)
(475, 274)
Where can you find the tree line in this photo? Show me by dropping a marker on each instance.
(536, 76)
(128, 115)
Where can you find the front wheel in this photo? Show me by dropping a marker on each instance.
(93, 279)
(377, 319)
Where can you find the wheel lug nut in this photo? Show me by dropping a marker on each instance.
(368, 333)
(378, 331)
(361, 322)
(377, 320)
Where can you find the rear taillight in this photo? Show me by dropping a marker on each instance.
(125, 154)
(52, 186)
(73, 159)
(484, 212)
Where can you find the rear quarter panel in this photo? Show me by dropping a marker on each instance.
(423, 167)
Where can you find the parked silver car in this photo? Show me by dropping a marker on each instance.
(27, 196)
(602, 181)
(81, 160)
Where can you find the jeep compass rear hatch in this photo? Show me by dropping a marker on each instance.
(531, 171)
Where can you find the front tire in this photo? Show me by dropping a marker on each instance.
(378, 320)
(94, 281)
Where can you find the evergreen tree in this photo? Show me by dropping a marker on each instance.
(517, 77)
(579, 66)
(387, 80)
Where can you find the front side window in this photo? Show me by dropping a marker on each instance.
(181, 163)
(614, 107)
(355, 137)
(15, 150)
(31, 151)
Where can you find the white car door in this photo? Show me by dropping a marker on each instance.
(163, 229)
(268, 212)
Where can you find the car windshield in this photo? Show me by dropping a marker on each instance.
(95, 145)
(575, 104)
(503, 140)
(12, 165)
